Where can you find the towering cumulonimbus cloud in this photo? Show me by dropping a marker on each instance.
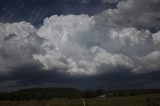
(88, 45)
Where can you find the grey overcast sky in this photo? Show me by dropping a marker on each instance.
(86, 44)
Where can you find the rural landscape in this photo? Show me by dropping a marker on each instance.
(74, 97)
(79, 52)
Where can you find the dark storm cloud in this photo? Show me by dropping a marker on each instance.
(33, 76)
(35, 11)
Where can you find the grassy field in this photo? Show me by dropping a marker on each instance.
(154, 100)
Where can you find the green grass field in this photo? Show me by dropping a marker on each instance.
(154, 100)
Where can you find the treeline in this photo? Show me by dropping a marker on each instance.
(41, 94)
(120, 92)
(69, 93)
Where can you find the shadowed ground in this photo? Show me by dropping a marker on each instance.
(142, 100)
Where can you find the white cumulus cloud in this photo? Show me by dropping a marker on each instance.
(156, 37)
(131, 36)
(18, 42)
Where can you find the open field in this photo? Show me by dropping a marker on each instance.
(154, 100)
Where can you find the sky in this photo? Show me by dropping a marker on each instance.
(85, 44)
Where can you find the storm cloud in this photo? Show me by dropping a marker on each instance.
(122, 42)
